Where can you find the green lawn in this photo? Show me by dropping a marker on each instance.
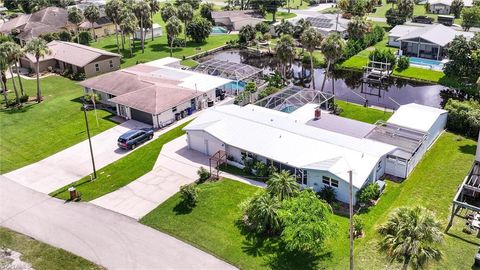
(42, 256)
(213, 224)
(123, 171)
(37, 131)
(280, 15)
(298, 4)
(189, 63)
(360, 113)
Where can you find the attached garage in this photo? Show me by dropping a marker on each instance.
(141, 116)
(204, 143)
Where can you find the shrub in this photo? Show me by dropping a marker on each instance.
(189, 194)
(248, 164)
(179, 42)
(261, 214)
(251, 87)
(261, 169)
(23, 98)
(269, 90)
(85, 37)
(199, 29)
(79, 76)
(88, 98)
(357, 225)
(262, 27)
(247, 34)
(463, 116)
(368, 193)
(203, 175)
(403, 63)
(65, 36)
(383, 56)
(327, 194)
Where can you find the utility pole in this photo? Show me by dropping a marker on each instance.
(84, 108)
(351, 218)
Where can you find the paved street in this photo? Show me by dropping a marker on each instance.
(99, 235)
(176, 166)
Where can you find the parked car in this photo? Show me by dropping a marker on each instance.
(131, 139)
(422, 19)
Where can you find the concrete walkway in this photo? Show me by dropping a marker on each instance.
(175, 166)
(99, 235)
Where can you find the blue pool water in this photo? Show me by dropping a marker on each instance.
(289, 109)
(219, 30)
(234, 86)
(433, 64)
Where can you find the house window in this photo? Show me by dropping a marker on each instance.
(111, 64)
(379, 166)
(174, 109)
(329, 182)
(97, 67)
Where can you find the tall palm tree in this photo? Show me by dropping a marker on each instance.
(3, 77)
(168, 11)
(92, 14)
(411, 236)
(185, 14)
(285, 50)
(332, 48)
(284, 28)
(262, 213)
(358, 27)
(282, 184)
(154, 8)
(112, 10)
(174, 28)
(7, 51)
(128, 26)
(17, 53)
(311, 39)
(39, 48)
(142, 12)
(300, 26)
(75, 16)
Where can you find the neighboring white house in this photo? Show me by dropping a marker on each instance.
(157, 31)
(444, 6)
(427, 42)
(317, 154)
(155, 93)
(235, 20)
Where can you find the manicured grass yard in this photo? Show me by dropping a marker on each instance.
(213, 224)
(123, 171)
(37, 131)
(360, 113)
(42, 256)
(280, 15)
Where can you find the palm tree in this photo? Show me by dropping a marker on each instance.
(168, 11)
(311, 39)
(332, 48)
(7, 51)
(128, 26)
(300, 27)
(92, 14)
(17, 53)
(285, 50)
(358, 27)
(284, 28)
(75, 16)
(174, 28)
(282, 184)
(154, 8)
(142, 12)
(112, 10)
(185, 13)
(3, 77)
(411, 235)
(262, 213)
(39, 48)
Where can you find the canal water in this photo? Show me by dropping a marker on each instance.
(347, 85)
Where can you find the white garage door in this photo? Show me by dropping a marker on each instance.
(213, 146)
(197, 143)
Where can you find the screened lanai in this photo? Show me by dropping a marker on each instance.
(228, 70)
(294, 97)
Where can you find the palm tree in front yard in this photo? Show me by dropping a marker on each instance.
(128, 26)
(283, 185)
(311, 39)
(92, 14)
(17, 53)
(332, 48)
(411, 236)
(7, 52)
(39, 48)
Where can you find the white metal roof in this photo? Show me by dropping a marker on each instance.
(436, 33)
(466, 3)
(416, 116)
(163, 61)
(274, 135)
(402, 30)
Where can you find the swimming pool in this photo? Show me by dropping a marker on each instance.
(219, 30)
(289, 109)
(426, 63)
(240, 86)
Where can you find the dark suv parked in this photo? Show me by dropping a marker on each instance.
(131, 139)
(422, 19)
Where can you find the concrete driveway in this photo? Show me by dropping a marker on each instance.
(99, 235)
(175, 166)
(73, 163)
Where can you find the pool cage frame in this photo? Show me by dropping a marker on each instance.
(236, 72)
(295, 96)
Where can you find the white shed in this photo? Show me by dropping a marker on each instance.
(422, 118)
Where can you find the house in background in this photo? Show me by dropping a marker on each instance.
(74, 57)
(318, 151)
(155, 92)
(234, 20)
(427, 42)
(103, 26)
(329, 23)
(444, 6)
(45, 21)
